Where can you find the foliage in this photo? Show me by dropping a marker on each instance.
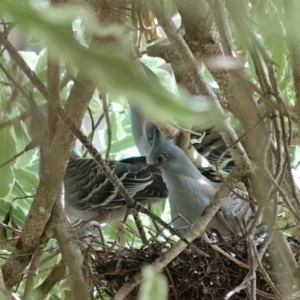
(19, 177)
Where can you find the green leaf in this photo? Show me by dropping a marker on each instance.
(155, 286)
(26, 179)
(7, 151)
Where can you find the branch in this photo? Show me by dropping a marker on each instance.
(69, 250)
(50, 183)
(70, 254)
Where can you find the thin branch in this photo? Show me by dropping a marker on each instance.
(108, 125)
(70, 253)
(33, 270)
(227, 255)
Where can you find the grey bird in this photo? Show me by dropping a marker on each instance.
(190, 192)
(88, 192)
(211, 145)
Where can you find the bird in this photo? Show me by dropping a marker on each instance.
(88, 193)
(190, 192)
(211, 144)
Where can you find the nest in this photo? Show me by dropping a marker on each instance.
(191, 275)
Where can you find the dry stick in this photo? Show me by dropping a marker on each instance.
(240, 287)
(92, 123)
(70, 254)
(196, 230)
(165, 225)
(253, 266)
(217, 248)
(108, 125)
(91, 135)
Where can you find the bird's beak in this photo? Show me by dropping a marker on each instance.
(148, 169)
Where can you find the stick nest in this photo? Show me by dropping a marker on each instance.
(191, 275)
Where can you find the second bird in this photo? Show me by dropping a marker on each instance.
(190, 192)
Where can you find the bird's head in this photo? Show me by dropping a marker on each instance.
(163, 152)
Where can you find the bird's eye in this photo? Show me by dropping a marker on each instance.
(160, 159)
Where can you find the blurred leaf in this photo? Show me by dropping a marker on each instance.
(113, 66)
(155, 286)
(41, 62)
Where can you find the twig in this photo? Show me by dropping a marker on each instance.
(70, 253)
(12, 159)
(108, 125)
(253, 267)
(33, 269)
(140, 226)
(230, 257)
(240, 287)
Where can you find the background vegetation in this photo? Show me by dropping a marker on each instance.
(244, 56)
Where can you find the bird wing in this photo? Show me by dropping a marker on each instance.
(86, 187)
